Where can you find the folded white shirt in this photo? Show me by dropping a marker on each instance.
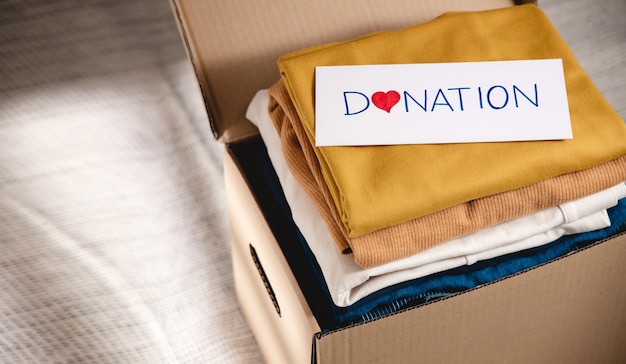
(348, 282)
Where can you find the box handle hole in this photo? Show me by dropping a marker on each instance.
(266, 282)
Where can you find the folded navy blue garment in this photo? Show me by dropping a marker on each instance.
(264, 182)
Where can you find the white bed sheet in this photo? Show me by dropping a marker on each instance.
(114, 243)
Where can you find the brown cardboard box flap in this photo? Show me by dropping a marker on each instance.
(235, 44)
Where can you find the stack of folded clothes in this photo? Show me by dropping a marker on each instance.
(387, 227)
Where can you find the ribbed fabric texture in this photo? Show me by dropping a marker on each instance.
(405, 239)
(376, 187)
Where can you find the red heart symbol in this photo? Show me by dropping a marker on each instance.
(385, 100)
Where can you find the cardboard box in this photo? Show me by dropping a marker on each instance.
(571, 310)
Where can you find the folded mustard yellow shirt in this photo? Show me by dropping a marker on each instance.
(375, 187)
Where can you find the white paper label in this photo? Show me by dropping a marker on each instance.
(463, 102)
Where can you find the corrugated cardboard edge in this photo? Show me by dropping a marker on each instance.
(225, 132)
(598, 264)
(197, 69)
